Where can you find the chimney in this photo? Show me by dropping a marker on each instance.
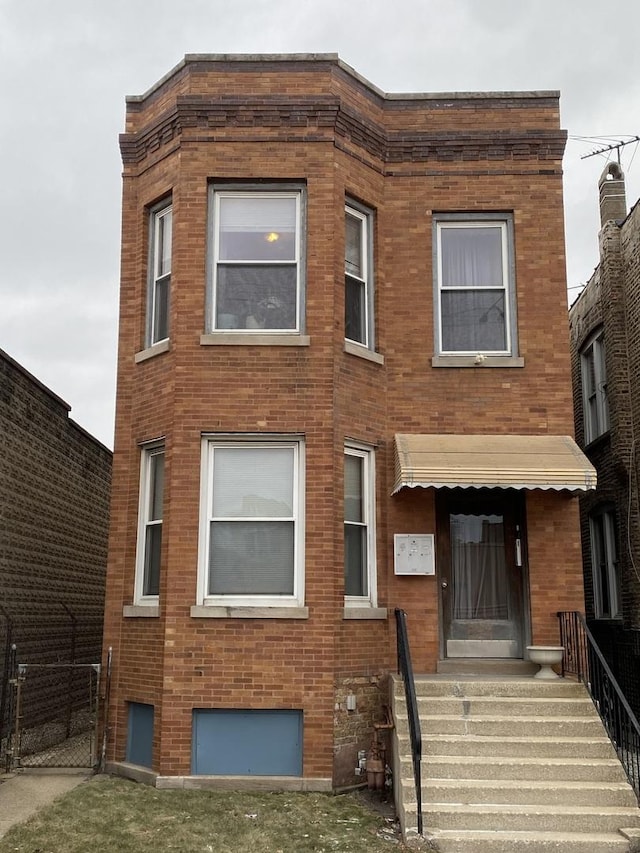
(613, 200)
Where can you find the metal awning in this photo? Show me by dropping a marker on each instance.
(492, 461)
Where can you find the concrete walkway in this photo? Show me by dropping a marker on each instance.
(24, 793)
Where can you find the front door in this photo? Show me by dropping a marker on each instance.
(481, 567)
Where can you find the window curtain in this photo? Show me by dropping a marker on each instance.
(253, 526)
(479, 571)
(473, 296)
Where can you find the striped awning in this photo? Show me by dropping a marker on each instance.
(492, 461)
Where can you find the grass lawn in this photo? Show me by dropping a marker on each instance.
(111, 815)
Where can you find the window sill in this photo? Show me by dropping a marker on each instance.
(256, 340)
(470, 361)
(364, 613)
(152, 351)
(145, 611)
(363, 352)
(204, 611)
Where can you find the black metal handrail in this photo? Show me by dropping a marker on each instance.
(583, 658)
(406, 671)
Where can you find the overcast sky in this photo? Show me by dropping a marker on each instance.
(66, 66)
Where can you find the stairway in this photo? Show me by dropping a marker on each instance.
(512, 764)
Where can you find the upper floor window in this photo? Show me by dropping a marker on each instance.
(160, 274)
(594, 387)
(358, 267)
(150, 525)
(251, 534)
(359, 526)
(475, 287)
(257, 278)
(604, 564)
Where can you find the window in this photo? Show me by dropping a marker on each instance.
(359, 526)
(251, 540)
(594, 387)
(150, 525)
(358, 299)
(256, 261)
(604, 563)
(475, 292)
(160, 274)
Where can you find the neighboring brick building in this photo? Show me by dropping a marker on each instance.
(330, 295)
(55, 484)
(605, 338)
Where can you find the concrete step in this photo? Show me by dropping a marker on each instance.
(457, 841)
(464, 688)
(604, 770)
(487, 667)
(522, 818)
(513, 764)
(491, 706)
(521, 726)
(520, 747)
(503, 791)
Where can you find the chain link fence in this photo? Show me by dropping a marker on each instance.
(49, 666)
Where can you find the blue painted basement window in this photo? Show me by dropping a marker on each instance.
(140, 734)
(247, 743)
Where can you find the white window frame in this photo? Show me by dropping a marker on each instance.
(220, 192)
(209, 445)
(157, 278)
(365, 219)
(148, 453)
(602, 527)
(367, 455)
(503, 222)
(594, 399)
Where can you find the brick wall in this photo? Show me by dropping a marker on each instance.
(317, 124)
(54, 497)
(610, 301)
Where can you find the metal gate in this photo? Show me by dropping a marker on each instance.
(55, 714)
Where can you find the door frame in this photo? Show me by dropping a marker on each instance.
(482, 497)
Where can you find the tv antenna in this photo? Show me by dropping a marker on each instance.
(616, 146)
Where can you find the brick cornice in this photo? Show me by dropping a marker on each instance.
(325, 117)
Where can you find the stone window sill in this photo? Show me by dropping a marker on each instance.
(472, 361)
(364, 613)
(254, 340)
(204, 611)
(152, 351)
(363, 352)
(144, 611)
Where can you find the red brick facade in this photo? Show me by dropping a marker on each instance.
(313, 122)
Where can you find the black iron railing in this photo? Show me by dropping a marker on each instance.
(406, 671)
(583, 658)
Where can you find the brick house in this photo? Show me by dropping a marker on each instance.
(605, 343)
(343, 388)
(55, 483)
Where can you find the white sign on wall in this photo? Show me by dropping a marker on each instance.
(414, 554)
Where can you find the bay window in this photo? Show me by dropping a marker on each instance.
(150, 525)
(256, 261)
(161, 227)
(359, 526)
(251, 534)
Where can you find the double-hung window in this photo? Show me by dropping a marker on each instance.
(604, 563)
(358, 264)
(252, 527)
(594, 387)
(150, 525)
(359, 526)
(474, 285)
(257, 269)
(161, 222)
